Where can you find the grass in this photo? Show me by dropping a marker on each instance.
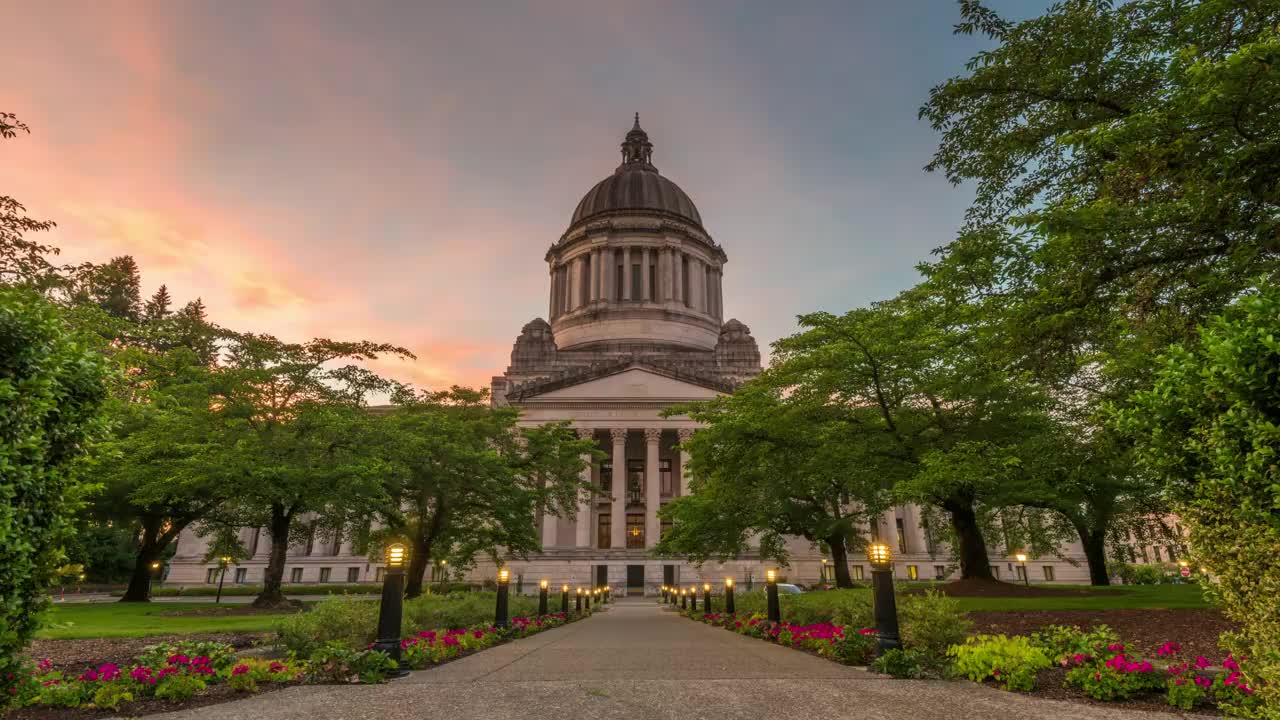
(1121, 598)
(125, 620)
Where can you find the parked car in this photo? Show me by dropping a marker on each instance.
(790, 589)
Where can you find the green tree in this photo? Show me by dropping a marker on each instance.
(294, 438)
(115, 287)
(1210, 429)
(157, 307)
(52, 389)
(469, 481)
(22, 261)
(772, 463)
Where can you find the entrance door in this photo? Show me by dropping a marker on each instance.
(602, 575)
(635, 579)
(668, 575)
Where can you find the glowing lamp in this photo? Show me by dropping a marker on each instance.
(879, 555)
(504, 575)
(543, 584)
(155, 566)
(564, 588)
(728, 582)
(706, 587)
(1020, 557)
(771, 575)
(395, 555)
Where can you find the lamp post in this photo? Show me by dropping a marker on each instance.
(564, 599)
(1022, 558)
(587, 598)
(771, 592)
(684, 599)
(706, 597)
(155, 575)
(578, 601)
(224, 561)
(500, 609)
(542, 596)
(823, 578)
(671, 596)
(886, 605)
(693, 598)
(728, 596)
(444, 573)
(606, 592)
(391, 607)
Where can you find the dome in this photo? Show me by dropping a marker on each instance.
(636, 185)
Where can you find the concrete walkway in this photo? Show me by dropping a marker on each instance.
(637, 662)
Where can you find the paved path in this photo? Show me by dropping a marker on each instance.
(638, 662)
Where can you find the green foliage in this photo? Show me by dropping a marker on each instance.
(1012, 662)
(1209, 429)
(111, 695)
(1061, 642)
(1134, 574)
(243, 682)
(350, 623)
(52, 390)
(855, 648)
(905, 664)
(1185, 695)
(337, 663)
(1106, 680)
(179, 686)
(57, 691)
(221, 655)
(931, 623)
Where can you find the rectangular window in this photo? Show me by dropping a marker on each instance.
(617, 283)
(635, 530)
(325, 574)
(902, 535)
(606, 475)
(1155, 550)
(295, 575)
(1173, 553)
(1020, 572)
(377, 574)
(585, 295)
(637, 291)
(857, 572)
(995, 571)
(828, 573)
(939, 572)
(706, 286)
(684, 280)
(604, 531)
(1142, 550)
(353, 574)
(253, 541)
(913, 572)
(874, 527)
(664, 478)
(653, 283)
(635, 482)
(211, 575)
(666, 527)
(1048, 572)
(242, 574)
(335, 548)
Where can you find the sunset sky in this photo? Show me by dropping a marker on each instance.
(395, 171)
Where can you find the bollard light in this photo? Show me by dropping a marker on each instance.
(684, 599)
(771, 594)
(500, 607)
(578, 601)
(693, 598)
(886, 605)
(543, 585)
(706, 597)
(391, 607)
(608, 591)
(728, 596)
(564, 599)
(1022, 558)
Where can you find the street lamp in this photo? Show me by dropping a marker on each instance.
(706, 597)
(444, 573)
(771, 592)
(578, 601)
(728, 596)
(391, 607)
(886, 605)
(542, 596)
(823, 578)
(224, 561)
(153, 576)
(564, 599)
(684, 599)
(606, 592)
(693, 598)
(1022, 558)
(500, 609)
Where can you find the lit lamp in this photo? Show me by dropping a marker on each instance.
(728, 596)
(391, 607)
(706, 597)
(886, 605)
(604, 594)
(1022, 558)
(823, 577)
(578, 601)
(224, 561)
(684, 599)
(154, 576)
(444, 572)
(542, 596)
(500, 608)
(693, 598)
(771, 593)
(663, 590)
(587, 596)
(564, 599)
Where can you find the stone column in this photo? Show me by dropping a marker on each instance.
(697, 285)
(596, 258)
(551, 308)
(626, 274)
(684, 436)
(582, 531)
(677, 277)
(644, 274)
(618, 510)
(652, 485)
(606, 274)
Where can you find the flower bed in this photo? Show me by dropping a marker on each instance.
(826, 639)
(183, 675)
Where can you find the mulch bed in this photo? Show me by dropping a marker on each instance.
(76, 656)
(996, 588)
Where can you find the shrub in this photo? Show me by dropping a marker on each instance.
(1117, 678)
(1186, 693)
(337, 663)
(1012, 662)
(241, 680)
(932, 623)
(857, 647)
(1066, 644)
(219, 656)
(179, 686)
(111, 695)
(350, 623)
(51, 395)
(904, 663)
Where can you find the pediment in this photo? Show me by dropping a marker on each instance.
(633, 384)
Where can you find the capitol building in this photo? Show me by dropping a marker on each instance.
(635, 324)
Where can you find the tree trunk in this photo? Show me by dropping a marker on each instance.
(423, 544)
(149, 550)
(272, 594)
(972, 550)
(840, 558)
(1094, 542)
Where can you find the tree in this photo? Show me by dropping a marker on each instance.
(52, 389)
(1210, 430)
(774, 463)
(293, 426)
(469, 481)
(157, 307)
(22, 261)
(115, 287)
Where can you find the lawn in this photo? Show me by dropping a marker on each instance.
(122, 620)
(1115, 598)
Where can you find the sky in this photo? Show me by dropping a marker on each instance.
(395, 171)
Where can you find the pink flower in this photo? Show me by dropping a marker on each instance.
(88, 676)
(1203, 682)
(276, 667)
(240, 670)
(1230, 663)
(867, 631)
(1117, 647)
(1202, 662)
(179, 660)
